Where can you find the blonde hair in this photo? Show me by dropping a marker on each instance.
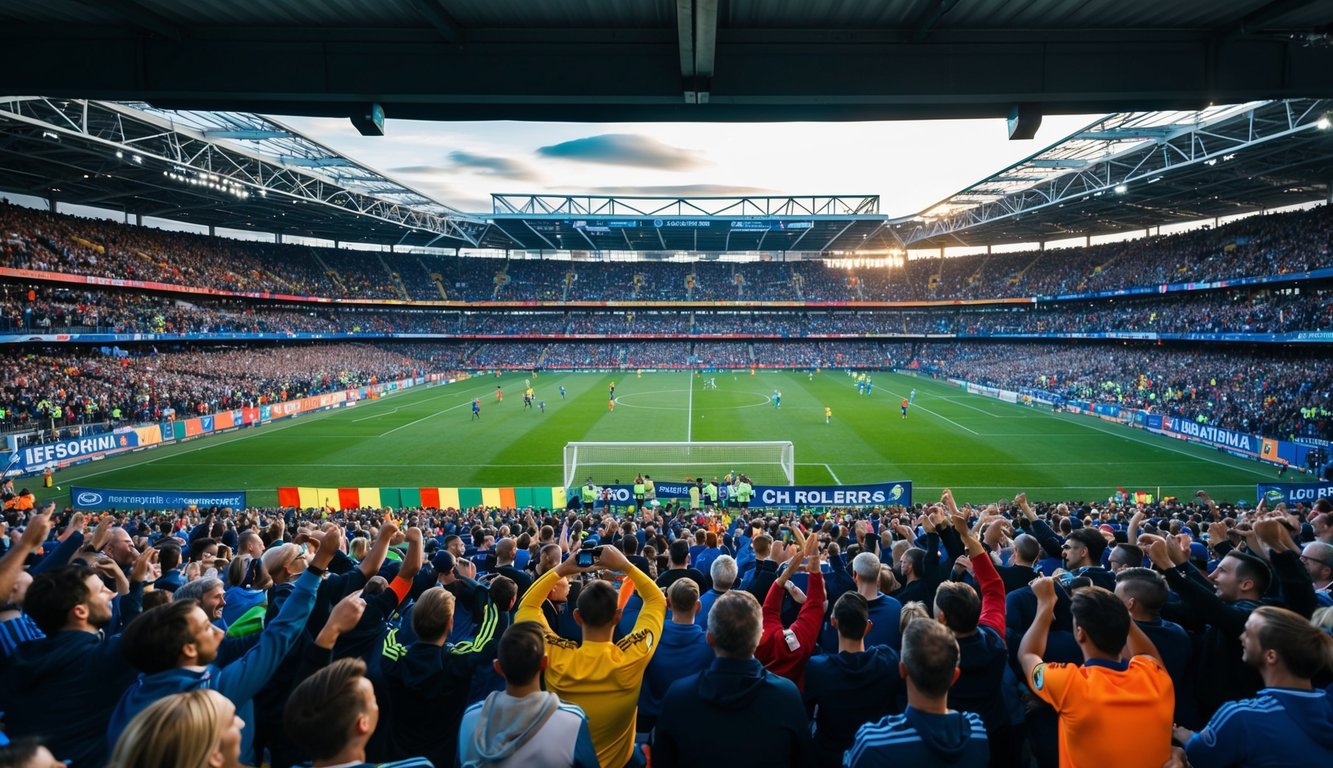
(358, 547)
(178, 731)
(913, 610)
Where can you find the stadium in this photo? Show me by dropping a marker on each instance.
(218, 323)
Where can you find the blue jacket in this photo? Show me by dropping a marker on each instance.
(683, 650)
(62, 690)
(848, 689)
(703, 713)
(918, 738)
(1280, 727)
(238, 681)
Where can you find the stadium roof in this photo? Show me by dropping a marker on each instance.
(1137, 170)
(813, 224)
(626, 60)
(1127, 171)
(224, 169)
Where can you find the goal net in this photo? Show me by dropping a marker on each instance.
(771, 463)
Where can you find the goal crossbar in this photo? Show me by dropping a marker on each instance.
(770, 461)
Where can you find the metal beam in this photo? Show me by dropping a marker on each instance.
(928, 19)
(685, 37)
(246, 135)
(1256, 19)
(435, 12)
(140, 16)
(862, 74)
(705, 37)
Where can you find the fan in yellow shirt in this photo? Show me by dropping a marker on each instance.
(599, 676)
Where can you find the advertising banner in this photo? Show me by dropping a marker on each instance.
(874, 494)
(109, 498)
(1207, 433)
(1293, 493)
(32, 458)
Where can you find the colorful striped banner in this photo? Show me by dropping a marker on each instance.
(430, 498)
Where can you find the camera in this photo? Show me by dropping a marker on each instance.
(588, 556)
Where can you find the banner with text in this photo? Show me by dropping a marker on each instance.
(109, 498)
(1293, 493)
(874, 494)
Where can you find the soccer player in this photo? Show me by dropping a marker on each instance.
(476, 408)
(499, 394)
(911, 396)
(828, 415)
(905, 404)
(611, 405)
(613, 390)
(542, 405)
(562, 391)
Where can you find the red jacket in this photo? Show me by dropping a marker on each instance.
(784, 651)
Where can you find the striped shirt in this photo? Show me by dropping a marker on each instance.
(956, 739)
(17, 631)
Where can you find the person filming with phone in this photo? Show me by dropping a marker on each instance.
(599, 676)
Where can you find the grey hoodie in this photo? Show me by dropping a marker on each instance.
(535, 731)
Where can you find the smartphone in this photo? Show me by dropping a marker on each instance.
(786, 534)
(588, 556)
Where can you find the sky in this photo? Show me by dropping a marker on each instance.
(910, 164)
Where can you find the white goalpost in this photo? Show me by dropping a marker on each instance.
(769, 462)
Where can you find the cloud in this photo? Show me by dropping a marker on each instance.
(486, 165)
(625, 149)
(460, 161)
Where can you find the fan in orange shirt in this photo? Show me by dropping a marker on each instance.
(1114, 712)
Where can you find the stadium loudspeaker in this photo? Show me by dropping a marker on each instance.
(369, 120)
(1024, 120)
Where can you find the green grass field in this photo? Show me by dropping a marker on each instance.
(982, 448)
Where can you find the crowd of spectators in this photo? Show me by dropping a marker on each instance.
(1276, 394)
(702, 631)
(45, 309)
(59, 389)
(1260, 246)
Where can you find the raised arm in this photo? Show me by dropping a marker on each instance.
(11, 565)
(374, 559)
(1033, 647)
(988, 579)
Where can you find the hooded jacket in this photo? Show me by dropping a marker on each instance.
(683, 650)
(62, 689)
(956, 739)
(1279, 727)
(428, 685)
(534, 731)
(702, 714)
(239, 681)
(849, 689)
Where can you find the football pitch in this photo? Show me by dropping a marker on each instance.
(983, 449)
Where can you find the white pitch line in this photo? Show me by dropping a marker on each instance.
(957, 401)
(254, 431)
(1131, 438)
(832, 474)
(689, 409)
(449, 393)
(423, 418)
(932, 413)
